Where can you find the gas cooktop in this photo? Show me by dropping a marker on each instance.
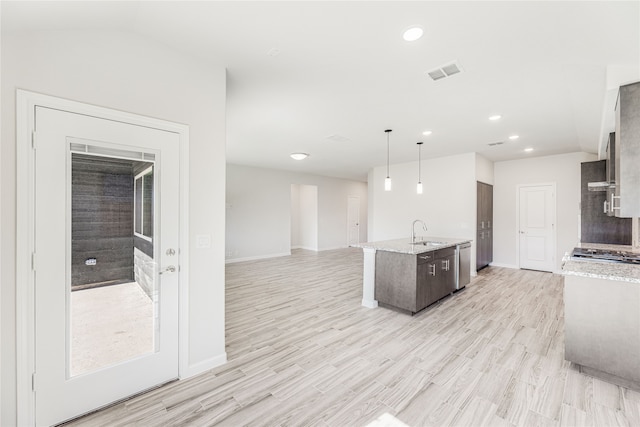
(605, 255)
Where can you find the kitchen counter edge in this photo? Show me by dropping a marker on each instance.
(601, 269)
(405, 247)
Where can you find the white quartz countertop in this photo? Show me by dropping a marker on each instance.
(404, 246)
(602, 269)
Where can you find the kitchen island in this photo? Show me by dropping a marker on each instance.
(602, 317)
(409, 275)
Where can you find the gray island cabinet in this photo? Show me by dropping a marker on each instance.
(602, 317)
(412, 282)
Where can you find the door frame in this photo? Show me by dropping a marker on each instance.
(554, 234)
(26, 102)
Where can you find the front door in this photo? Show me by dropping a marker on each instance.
(537, 227)
(106, 261)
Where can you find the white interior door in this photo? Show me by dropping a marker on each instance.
(97, 344)
(353, 220)
(537, 227)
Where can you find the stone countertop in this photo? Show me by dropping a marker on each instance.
(404, 246)
(602, 269)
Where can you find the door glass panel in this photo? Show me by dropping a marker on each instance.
(112, 291)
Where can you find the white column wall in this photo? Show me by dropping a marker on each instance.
(123, 71)
(308, 211)
(295, 216)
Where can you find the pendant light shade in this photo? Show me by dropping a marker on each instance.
(387, 180)
(387, 184)
(419, 186)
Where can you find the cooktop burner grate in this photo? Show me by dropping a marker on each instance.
(606, 255)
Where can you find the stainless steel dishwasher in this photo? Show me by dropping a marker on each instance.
(463, 266)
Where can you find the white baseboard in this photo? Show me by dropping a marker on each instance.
(370, 303)
(498, 264)
(253, 258)
(333, 248)
(205, 365)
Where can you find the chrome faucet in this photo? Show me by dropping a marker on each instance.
(413, 229)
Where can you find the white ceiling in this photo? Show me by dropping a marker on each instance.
(342, 73)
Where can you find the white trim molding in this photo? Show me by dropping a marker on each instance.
(26, 103)
(205, 365)
(257, 257)
(369, 278)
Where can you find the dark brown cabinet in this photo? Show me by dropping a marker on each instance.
(484, 227)
(412, 282)
(443, 274)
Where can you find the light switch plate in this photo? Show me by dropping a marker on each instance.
(203, 241)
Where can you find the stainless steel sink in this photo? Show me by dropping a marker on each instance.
(428, 243)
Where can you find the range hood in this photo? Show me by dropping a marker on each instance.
(598, 186)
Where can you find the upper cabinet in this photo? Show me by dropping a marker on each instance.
(626, 201)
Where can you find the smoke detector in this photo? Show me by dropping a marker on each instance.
(446, 70)
(338, 138)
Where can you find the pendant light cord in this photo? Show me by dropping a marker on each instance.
(419, 162)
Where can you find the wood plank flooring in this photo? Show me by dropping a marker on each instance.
(303, 352)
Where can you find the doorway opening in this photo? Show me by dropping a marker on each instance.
(304, 217)
(113, 294)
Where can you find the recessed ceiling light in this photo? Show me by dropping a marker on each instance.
(495, 117)
(528, 150)
(299, 156)
(412, 34)
(427, 132)
(514, 137)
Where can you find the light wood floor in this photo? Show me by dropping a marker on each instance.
(302, 351)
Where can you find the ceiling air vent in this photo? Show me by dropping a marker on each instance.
(493, 144)
(446, 70)
(437, 74)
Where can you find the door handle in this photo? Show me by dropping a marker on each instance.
(433, 269)
(613, 206)
(169, 269)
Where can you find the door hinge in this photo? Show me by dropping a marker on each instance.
(33, 140)
(33, 382)
(33, 261)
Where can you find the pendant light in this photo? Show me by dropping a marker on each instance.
(387, 180)
(419, 187)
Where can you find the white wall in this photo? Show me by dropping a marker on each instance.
(126, 72)
(295, 216)
(447, 206)
(308, 217)
(484, 169)
(564, 170)
(304, 217)
(259, 211)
